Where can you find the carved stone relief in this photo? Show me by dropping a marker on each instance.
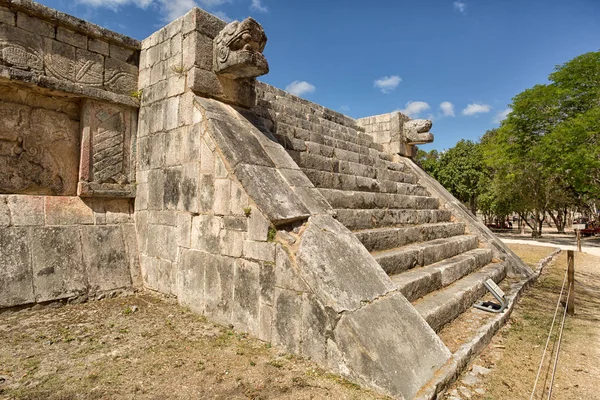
(19, 49)
(107, 151)
(39, 151)
(237, 50)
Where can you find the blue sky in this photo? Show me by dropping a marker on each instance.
(456, 62)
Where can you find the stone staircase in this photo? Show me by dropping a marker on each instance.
(438, 266)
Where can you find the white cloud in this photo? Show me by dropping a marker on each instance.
(176, 8)
(299, 88)
(476, 108)
(460, 6)
(500, 115)
(257, 6)
(414, 108)
(170, 9)
(447, 109)
(387, 83)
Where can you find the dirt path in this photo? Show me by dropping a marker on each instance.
(143, 347)
(507, 368)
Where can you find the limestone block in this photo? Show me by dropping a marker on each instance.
(197, 51)
(203, 22)
(107, 149)
(246, 296)
(267, 282)
(184, 229)
(287, 327)
(373, 344)
(206, 231)
(286, 275)
(7, 16)
(190, 279)
(118, 211)
(258, 226)
(35, 25)
(26, 210)
(98, 46)
(123, 54)
(171, 113)
(206, 193)
(317, 325)
(16, 280)
(21, 49)
(105, 257)
(162, 242)
(188, 197)
(218, 287)
(238, 145)
(65, 62)
(239, 200)
(63, 210)
(141, 227)
(266, 314)
(4, 212)
(58, 268)
(313, 200)
(341, 272)
(171, 188)
(120, 76)
(39, 151)
(295, 178)
(262, 251)
(131, 246)
(232, 242)
(222, 196)
(207, 157)
(271, 193)
(70, 37)
(235, 223)
(163, 218)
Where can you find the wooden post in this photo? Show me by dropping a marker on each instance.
(571, 280)
(578, 240)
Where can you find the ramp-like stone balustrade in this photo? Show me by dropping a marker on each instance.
(302, 226)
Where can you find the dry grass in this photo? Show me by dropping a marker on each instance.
(515, 353)
(143, 347)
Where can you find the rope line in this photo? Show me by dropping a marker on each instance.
(558, 348)
(549, 335)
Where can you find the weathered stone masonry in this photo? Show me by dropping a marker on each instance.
(165, 164)
(67, 157)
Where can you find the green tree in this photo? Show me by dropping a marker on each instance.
(459, 170)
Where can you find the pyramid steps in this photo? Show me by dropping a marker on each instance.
(419, 282)
(421, 254)
(440, 307)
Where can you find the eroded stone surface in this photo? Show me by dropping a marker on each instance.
(39, 151)
(339, 270)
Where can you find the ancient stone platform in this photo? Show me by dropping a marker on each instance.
(165, 165)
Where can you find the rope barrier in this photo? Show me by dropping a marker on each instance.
(558, 349)
(549, 335)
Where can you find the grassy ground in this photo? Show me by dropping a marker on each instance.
(144, 347)
(514, 355)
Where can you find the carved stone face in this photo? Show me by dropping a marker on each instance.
(417, 131)
(237, 50)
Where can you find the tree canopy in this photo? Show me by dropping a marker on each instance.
(544, 159)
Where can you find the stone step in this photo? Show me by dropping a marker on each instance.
(401, 259)
(349, 167)
(357, 199)
(376, 218)
(388, 238)
(333, 180)
(440, 307)
(419, 282)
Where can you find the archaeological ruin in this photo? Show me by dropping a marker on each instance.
(165, 165)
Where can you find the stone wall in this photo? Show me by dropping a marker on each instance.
(387, 129)
(65, 248)
(55, 50)
(68, 117)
